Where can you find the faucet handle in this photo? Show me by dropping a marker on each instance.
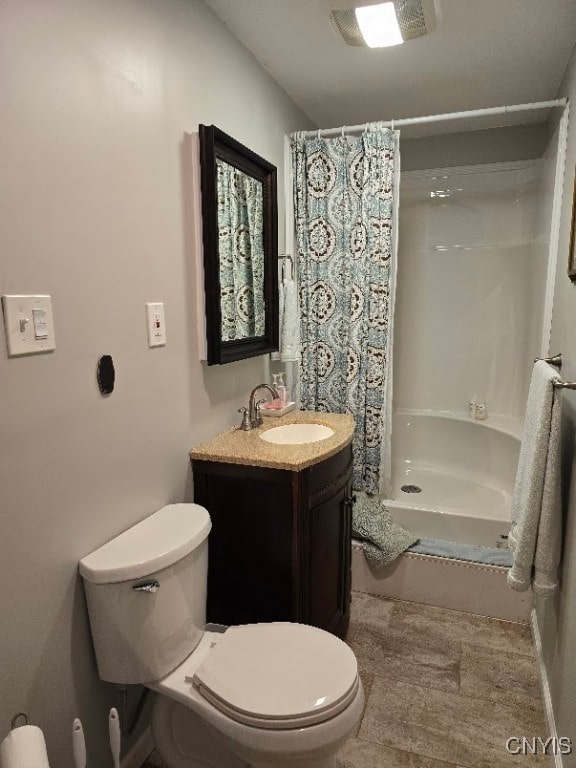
(246, 425)
(258, 421)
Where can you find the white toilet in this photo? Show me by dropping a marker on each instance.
(261, 695)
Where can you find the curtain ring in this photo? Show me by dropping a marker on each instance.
(343, 127)
(392, 124)
(318, 134)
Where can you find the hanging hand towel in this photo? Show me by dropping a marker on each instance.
(288, 317)
(276, 355)
(289, 330)
(535, 536)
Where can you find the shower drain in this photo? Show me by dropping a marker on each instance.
(411, 489)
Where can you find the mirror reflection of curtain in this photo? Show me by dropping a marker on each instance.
(345, 198)
(241, 253)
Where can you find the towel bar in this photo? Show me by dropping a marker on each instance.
(564, 384)
(555, 360)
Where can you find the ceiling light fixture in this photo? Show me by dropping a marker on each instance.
(379, 25)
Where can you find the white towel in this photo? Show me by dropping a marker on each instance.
(276, 355)
(535, 536)
(288, 317)
(290, 323)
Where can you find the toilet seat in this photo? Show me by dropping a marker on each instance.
(278, 675)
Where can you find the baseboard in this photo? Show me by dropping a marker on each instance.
(544, 684)
(138, 752)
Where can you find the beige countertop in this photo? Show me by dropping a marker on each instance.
(238, 447)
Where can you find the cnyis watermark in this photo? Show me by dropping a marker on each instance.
(536, 745)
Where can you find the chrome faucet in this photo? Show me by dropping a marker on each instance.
(251, 416)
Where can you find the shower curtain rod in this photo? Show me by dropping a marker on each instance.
(439, 118)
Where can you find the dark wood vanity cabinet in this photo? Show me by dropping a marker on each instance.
(280, 548)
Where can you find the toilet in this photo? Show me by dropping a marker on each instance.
(262, 695)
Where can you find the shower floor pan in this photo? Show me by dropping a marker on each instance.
(450, 507)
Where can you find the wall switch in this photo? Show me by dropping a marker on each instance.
(29, 325)
(156, 324)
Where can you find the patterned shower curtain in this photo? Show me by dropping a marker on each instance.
(241, 251)
(345, 229)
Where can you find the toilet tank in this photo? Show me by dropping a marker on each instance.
(146, 594)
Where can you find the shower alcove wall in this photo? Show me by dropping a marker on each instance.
(469, 320)
(469, 313)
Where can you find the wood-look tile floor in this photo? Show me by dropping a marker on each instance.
(443, 689)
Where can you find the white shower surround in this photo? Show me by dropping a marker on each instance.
(469, 310)
(471, 277)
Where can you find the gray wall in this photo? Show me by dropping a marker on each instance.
(557, 617)
(96, 97)
(495, 145)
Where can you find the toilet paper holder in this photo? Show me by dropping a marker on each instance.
(24, 745)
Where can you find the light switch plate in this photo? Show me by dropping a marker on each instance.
(29, 324)
(156, 324)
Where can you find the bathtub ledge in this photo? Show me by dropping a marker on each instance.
(443, 583)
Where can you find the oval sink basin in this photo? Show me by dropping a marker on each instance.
(297, 434)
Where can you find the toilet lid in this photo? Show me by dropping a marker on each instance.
(278, 675)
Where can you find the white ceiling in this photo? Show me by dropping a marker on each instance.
(483, 53)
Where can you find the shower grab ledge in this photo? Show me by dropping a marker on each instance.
(508, 425)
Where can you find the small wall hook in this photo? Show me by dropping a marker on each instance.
(14, 723)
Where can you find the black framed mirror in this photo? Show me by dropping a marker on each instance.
(240, 239)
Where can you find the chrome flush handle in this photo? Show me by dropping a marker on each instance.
(147, 586)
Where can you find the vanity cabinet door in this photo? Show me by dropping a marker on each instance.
(250, 546)
(280, 544)
(329, 562)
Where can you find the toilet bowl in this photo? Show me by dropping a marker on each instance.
(260, 695)
(238, 734)
(256, 688)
